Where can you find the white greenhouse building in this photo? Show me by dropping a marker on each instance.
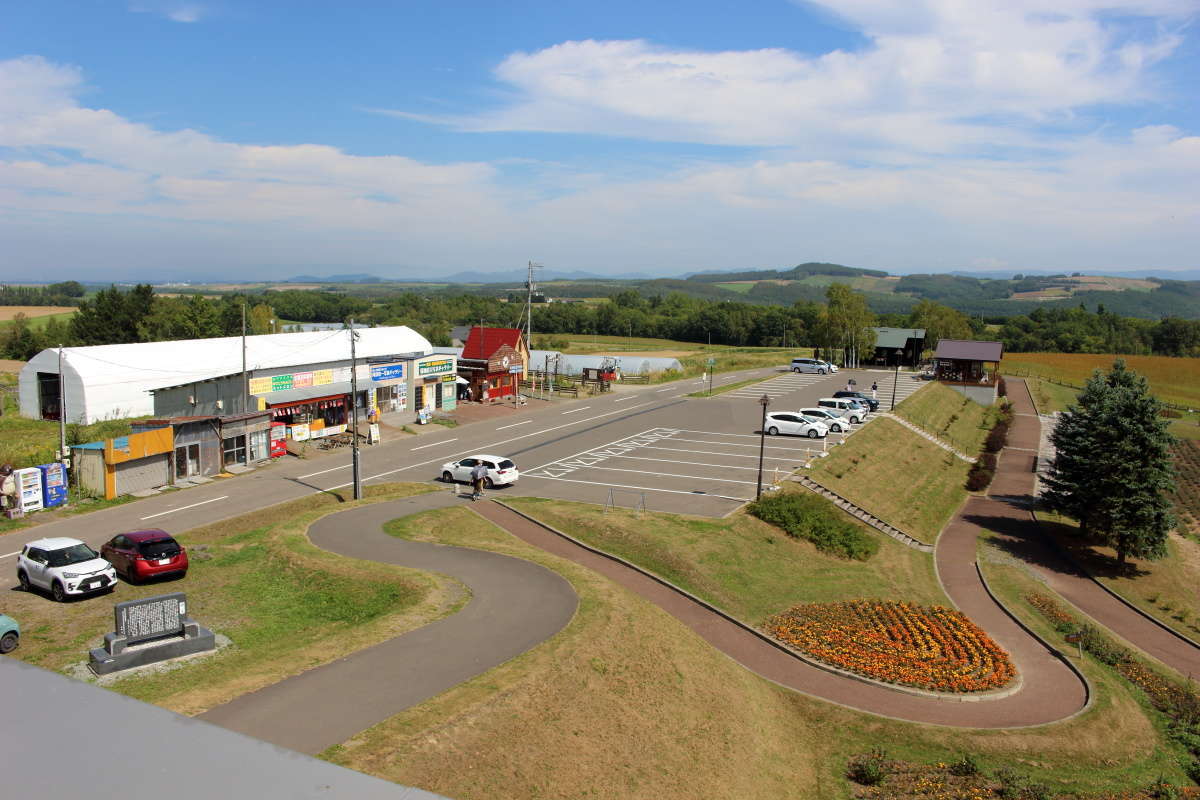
(115, 381)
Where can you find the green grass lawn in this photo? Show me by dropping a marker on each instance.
(745, 566)
(949, 415)
(286, 605)
(740, 288)
(39, 322)
(625, 684)
(898, 476)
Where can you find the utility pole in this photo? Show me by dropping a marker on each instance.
(245, 378)
(354, 414)
(895, 380)
(530, 287)
(62, 410)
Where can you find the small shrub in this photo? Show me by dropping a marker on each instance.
(1012, 783)
(1161, 790)
(988, 460)
(1192, 769)
(979, 477)
(805, 516)
(1104, 649)
(1002, 387)
(1038, 791)
(965, 766)
(996, 438)
(869, 769)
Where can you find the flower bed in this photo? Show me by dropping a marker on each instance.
(933, 648)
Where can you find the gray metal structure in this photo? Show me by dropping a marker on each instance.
(66, 738)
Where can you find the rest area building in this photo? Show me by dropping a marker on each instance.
(122, 380)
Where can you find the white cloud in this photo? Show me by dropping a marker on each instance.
(174, 11)
(938, 75)
(85, 188)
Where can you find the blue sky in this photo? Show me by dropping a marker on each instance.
(188, 140)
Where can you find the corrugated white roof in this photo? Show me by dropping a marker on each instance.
(154, 365)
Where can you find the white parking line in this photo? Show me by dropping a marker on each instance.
(515, 424)
(643, 488)
(671, 475)
(676, 461)
(434, 444)
(713, 453)
(737, 444)
(185, 508)
(576, 410)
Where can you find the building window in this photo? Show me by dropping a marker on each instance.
(235, 450)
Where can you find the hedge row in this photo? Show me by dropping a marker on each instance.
(806, 516)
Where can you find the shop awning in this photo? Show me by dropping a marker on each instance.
(326, 391)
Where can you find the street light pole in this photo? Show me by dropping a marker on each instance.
(354, 414)
(895, 381)
(764, 401)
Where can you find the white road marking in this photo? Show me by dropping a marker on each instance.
(693, 463)
(669, 388)
(322, 472)
(671, 475)
(643, 488)
(484, 448)
(515, 424)
(434, 444)
(185, 508)
(623, 399)
(712, 453)
(574, 410)
(10, 555)
(737, 444)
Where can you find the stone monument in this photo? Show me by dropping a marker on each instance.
(148, 631)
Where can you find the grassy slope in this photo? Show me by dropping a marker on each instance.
(741, 564)
(1171, 582)
(948, 414)
(286, 605)
(626, 702)
(898, 476)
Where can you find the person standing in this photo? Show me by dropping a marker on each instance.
(874, 390)
(479, 474)
(8, 487)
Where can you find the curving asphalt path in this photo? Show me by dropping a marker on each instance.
(514, 605)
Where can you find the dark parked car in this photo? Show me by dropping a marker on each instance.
(871, 402)
(140, 555)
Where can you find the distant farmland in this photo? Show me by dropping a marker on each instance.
(1174, 380)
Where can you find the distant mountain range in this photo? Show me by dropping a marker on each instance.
(1165, 274)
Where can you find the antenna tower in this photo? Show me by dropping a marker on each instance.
(531, 288)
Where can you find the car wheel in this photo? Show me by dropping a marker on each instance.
(772, 431)
(487, 483)
(24, 580)
(8, 642)
(60, 594)
(813, 434)
(447, 477)
(821, 371)
(797, 371)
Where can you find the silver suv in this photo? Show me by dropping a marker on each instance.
(812, 365)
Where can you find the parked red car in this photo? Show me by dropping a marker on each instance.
(140, 555)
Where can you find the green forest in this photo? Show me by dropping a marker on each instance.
(837, 317)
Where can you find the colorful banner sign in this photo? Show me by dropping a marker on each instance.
(387, 372)
(435, 367)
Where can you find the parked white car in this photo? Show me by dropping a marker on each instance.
(795, 424)
(501, 471)
(832, 417)
(851, 409)
(812, 365)
(64, 567)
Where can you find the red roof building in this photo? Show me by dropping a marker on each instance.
(494, 361)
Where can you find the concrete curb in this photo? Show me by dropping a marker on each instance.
(1054, 651)
(1066, 556)
(962, 698)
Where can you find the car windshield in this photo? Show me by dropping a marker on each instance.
(159, 548)
(506, 464)
(74, 554)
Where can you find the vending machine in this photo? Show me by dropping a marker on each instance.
(278, 439)
(54, 485)
(29, 489)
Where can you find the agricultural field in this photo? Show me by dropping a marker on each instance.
(1173, 380)
(1187, 496)
(38, 316)
(741, 287)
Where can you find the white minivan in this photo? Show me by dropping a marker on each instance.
(851, 409)
(812, 365)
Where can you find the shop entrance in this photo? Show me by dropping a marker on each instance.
(187, 461)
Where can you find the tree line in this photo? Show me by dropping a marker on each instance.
(838, 324)
(66, 293)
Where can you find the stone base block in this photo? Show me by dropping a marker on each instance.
(101, 662)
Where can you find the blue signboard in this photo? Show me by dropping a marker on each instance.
(387, 372)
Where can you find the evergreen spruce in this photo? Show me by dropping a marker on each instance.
(1113, 468)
